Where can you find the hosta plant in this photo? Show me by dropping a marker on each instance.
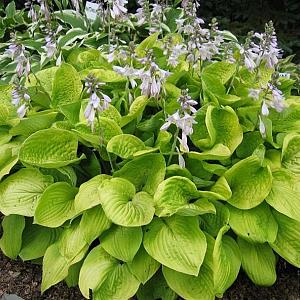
(156, 168)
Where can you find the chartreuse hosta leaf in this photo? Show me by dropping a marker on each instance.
(93, 223)
(128, 146)
(191, 287)
(254, 225)
(249, 181)
(73, 275)
(285, 193)
(11, 240)
(123, 206)
(50, 148)
(143, 266)
(156, 288)
(60, 256)
(223, 133)
(136, 108)
(103, 75)
(21, 191)
(212, 223)
(226, 261)
(36, 240)
(259, 262)
(56, 205)
(199, 207)
(222, 70)
(287, 243)
(67, 86)
(102, 133)
(291, 153)
(106, 277)
(145, 172)
(87, 196)
(8, 158)
(122, 242)
(172, 194)
(176, 242)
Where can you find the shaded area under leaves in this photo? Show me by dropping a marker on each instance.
(24, 279)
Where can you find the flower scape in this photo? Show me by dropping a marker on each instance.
(146, 154)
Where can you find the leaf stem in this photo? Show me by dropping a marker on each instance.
(173, 146)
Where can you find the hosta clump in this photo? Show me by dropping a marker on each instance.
(158, 175)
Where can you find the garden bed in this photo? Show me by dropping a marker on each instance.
(24, 279)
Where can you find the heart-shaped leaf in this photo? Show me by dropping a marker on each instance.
(176, 242)
(123, 206)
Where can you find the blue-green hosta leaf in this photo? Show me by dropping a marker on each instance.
(172, 194)
(156, 288)
(212, 223)
(176, 242)
(143, 266)
(71, 36)
(145, 172)
(93, 223)
(136, 109)
(95, 268)
(87, 196)
(250, 183)
(11, 240)
(36, 240)
(50, 148)
(67, 86)
(285, 194)
(33, 123)
(119, 284)
(226, 261)
(127, 146)
(56, 205)
(287, 243)
(291, 153)
(254, 225)
(222, 70)
(20, 192)
(259, 262)
(199, 287)
(122, 242)
(123, 206)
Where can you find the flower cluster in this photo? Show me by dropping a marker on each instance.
(183, 119)
(51, 47)
(98, 101)
(261, 47)
(20, 99)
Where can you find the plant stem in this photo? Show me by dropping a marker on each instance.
(173, 146)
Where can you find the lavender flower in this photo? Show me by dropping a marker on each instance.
(50, 47)
(20, 99)
(254, 93)
(118, 9)
(262, 128)
(98, 100)
(32, 14)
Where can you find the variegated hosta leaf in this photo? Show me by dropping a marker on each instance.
(226, 261)
(122, 242)
(87, 196)
(285, 193)
(50, 148)
(56, 205)
(259, 262)
(145, 172)
(172, 194)
(143, 266)
(287, 243)
(11, 240)
(254, 225)
(123, 206)
(250, 183)
(176, 242)
(21, 191)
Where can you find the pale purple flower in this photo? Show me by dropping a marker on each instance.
(264, 109)
(20, 99)
(118, 8)
(262, 128)
(254, 93)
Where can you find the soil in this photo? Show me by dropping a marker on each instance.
(24, 279)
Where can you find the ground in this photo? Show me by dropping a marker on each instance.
(23, 279)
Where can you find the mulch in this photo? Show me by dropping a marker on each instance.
(24, 280)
